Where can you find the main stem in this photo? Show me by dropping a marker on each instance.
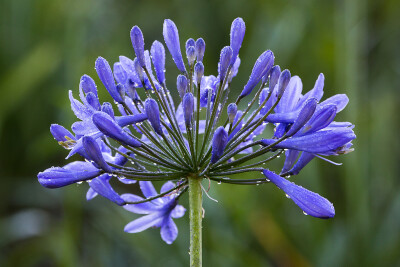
(196, 214)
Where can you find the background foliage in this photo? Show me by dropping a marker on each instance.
(46, 45)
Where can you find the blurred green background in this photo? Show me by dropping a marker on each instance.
(46, 45)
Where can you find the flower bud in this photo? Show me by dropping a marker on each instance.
(120, 74)
(109, 127)
(87, 84)
(224, 60)
(121, 90)
(188, 106)
(138, 45)
(232, 110)
(181, 84)
(94, 153)
(198, 72)
(139, 70)
(220, 139)
(311, 203)
(304, 115)
(200, 47)
(274, 77)
(171, 38)
(191, 55)
(263, 64)
(93, 100)
(107, 108)
(153, 114)
(190, 42)
(105, 74)
(158, 56)
(238, 29)
(283, 81)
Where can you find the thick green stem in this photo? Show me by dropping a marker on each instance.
(196, 214)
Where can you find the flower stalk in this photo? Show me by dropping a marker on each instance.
(195, 217)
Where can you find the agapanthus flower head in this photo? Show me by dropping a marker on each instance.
(145, 137)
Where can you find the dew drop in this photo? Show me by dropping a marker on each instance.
(268, 180)
(287, 196)
(155, 164)
(278, 157)
(305, 213)
(288, 176)
(219, 182)
(80, 182)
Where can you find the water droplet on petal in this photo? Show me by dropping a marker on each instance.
(305, 213)
(287, 196)
(80, 182)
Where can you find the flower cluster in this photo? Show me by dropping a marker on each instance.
(150, 139)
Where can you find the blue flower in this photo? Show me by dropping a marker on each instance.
(147, 138)
(159, 212)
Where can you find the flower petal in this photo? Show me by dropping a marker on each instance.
(169, 231)
(143, 223)
(171, 38)
(311, 203)
(102, 186)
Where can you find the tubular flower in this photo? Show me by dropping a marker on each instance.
(146, 138)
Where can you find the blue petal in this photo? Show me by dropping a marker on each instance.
(188, 106)
(263, 64)
(80, 111)
(71, 173)
(220, 139)
(291, 156)
(110, 128)
(138, 44)
(143, 223)
(169, 231)
(238, 29)
(102, 186)
(148, 190)
(178, 212)
(224, 61)
(321, 119)
(283, 82)
(304, 159)
(167, 186)
(304, 116)
(93, 101)
(311, 203)
(129, 67)
(327, 141)
(141, 208)
(171, 38)
(199, 72)
(317, 92)
(93, 150)
(108, 109)
(119, 73)
(130, 119)
(231, 110)
(105, 74)
(60, 133)
(90, 194)
(87, 85)
(200, 47)
(340, 101)
(291, 96)
(153, 115)
(274, 77)
(181, 84)
(158, 56)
